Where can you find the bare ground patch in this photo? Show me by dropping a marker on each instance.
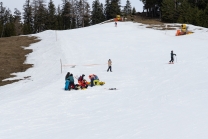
(153, 23)
(145, 20)
(13, 55)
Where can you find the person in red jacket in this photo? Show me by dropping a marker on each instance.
(82, 82)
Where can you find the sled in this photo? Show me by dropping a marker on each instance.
(97, 83)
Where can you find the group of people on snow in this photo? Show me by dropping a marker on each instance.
(69, 81)
(82, 83)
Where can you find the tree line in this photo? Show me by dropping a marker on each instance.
(38, 16)
(179, 11)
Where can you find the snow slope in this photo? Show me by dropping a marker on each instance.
(155, 100)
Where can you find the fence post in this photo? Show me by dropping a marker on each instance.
(61, 65)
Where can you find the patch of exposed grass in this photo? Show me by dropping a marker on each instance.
(13, 56)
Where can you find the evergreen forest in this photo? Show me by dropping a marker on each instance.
(38, 16)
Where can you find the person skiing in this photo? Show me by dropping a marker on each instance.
(172, 57)
(109, 65)
(115, 24)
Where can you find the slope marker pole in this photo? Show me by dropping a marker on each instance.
(56, 35)
(61, 65)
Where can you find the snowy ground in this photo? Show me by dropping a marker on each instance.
(155, 100)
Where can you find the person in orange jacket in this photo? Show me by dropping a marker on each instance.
(82, 82)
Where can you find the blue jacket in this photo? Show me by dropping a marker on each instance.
(96, 77)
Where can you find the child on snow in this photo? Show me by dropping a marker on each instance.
(172, 57)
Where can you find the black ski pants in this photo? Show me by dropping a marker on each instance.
(109, 68)
(172, 59)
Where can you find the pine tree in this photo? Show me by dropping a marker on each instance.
(2, 10)
(82, 13)
(9, 28)
(97, 12)
(114, 8)
(2, 21)
(59, 18)
(51, 16)
(41, 16)
(133, 11)
(73, 23)
(28, 19)
(87, 15)
(102, 16)
(79, 14)
(200, 18)
(185, 12)
(200, 4)
(66, 14)
(17, 21)
(168, 11)
(34, 6)
(107, 9)
(205, 24)
(127, 8)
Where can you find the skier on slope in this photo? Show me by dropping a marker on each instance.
(109, 65)
(172, 57)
